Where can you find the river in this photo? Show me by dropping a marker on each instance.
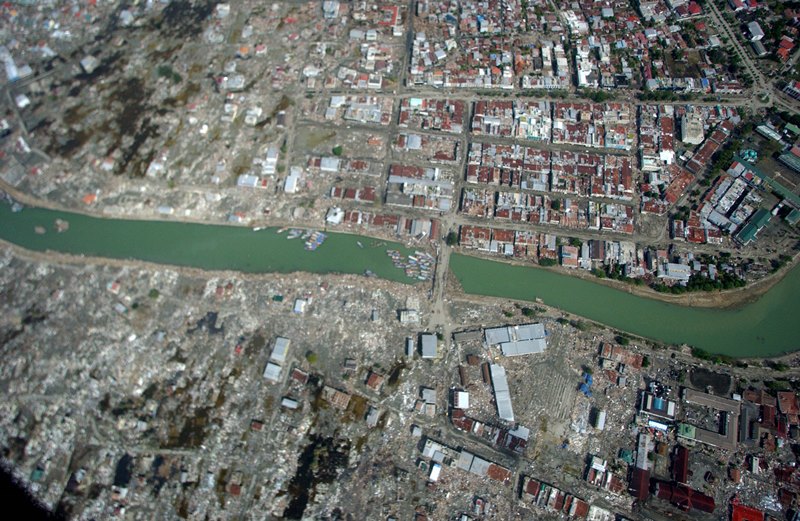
(763, 328)
(210, 247)
(766, 327)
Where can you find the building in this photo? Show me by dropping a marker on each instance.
(793, 89)
(656, 406)
(428, 345)
(755, 31)
(725, 437)
(600, 420)
(684, 497)
(756, 223)
(502, 394)
(461, 400)
(759, 49)
(523, 339)
(272, 372)
(692, 129)
(280, 350)
(300, 305)
(676, 272)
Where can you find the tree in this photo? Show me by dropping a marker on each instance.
(528, 312)
(452, 239)
(337, 150)
(312, 357)
(153, 293)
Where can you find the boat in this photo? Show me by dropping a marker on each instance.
(258, 228)
(369, 273)
(61, 225)
(315, 240)
(16, 207)
(294, 233)
(359, 244)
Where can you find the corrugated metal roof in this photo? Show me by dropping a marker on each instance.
(464, 460)
(479, 466)
(272, 372)
(280, 350)
(428, 346)
(502, 394)
(525, 347)
(497, 335)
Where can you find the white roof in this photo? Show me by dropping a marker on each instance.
(247, 180)
(329, 164)
(497, 335)
(289, 403)
(479, 466)
(462, 400)
(502, 394)
(464, 460)
(436, 469)
(525, 347)
(272, 372)
(280, 350)
(428, 346)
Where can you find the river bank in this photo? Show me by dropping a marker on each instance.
(721, 299)
(765, 327)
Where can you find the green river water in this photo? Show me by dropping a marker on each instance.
(766, 327)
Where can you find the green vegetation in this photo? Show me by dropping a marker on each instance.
(574, 241)
(622, 340)
(528, 312)
(713, 358)
(777, 366)
(312, 357)
(723, 159)
(547, 262)
(580, 325)
(699, 282)
(337, 150)
(153, 293)
(646, 361)
(778, 385)
(452, 239)
(541, 93)
(165, 71)
(598, 96)
(780, 262)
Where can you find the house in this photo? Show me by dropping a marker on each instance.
(569, 256)
(374, 381)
